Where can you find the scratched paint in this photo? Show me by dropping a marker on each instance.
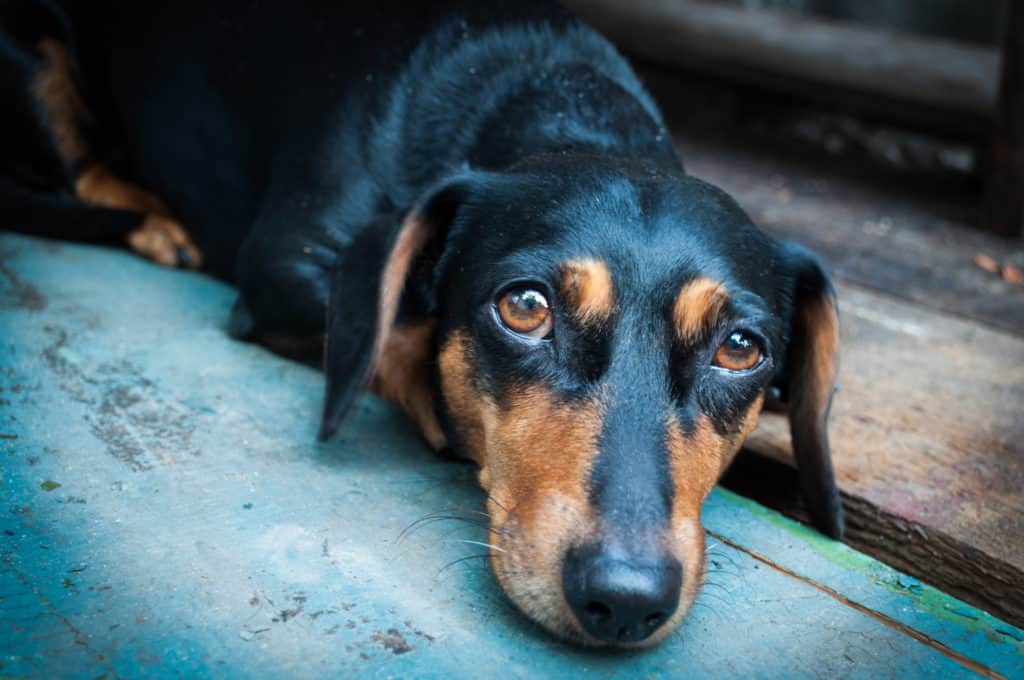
(966, 624)
(200, 530)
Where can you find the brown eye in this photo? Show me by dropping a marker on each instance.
(525, 311)
(739, 352)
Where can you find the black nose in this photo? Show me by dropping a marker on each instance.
(620, 599)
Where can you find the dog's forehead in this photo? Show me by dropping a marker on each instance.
(647, 228)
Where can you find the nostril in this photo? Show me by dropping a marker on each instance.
(598, 611)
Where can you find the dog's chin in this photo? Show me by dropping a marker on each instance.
(529, 570)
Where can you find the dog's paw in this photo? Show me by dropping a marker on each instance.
(166, 242)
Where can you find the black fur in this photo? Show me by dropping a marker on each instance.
(293, 141)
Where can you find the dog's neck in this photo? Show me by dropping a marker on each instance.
(573, 108)
(574, 94)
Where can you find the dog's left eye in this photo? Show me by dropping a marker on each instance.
(739, 352)
(525, 311)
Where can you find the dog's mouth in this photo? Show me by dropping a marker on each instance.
(587, 586)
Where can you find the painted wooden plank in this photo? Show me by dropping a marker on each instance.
(199, 530)
(928, 430)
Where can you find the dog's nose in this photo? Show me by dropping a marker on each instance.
(620, 599)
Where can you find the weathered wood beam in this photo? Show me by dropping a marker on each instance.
(927, 446)
(950, 85)
(1003, 210)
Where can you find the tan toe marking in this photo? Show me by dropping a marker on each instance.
(162, 240)
(160, 237)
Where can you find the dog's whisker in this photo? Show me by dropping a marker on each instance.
(717, 598)
(722, 586)
(479, 543)
(460, 561)
(499, 504)
(474, 522)
(439, 517)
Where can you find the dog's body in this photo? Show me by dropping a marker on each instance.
(488, 205)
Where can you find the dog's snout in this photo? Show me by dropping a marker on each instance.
(619, 599)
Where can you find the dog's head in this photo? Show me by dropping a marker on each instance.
(599, 338)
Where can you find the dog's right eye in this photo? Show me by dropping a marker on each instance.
(525, 311)
(739, 352)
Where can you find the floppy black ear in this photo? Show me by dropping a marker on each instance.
(366, 287)
(811, 367)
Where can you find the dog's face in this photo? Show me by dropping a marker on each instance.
(600, 343)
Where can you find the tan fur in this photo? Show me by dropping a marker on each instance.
(468, 408)
(535, 457)
(817, 372)
(412, 237)
(55, 88)
(403, 375)
(587, 285)
(747, 425)
(697, 306)
(97, 185)
(697, 460)
(160, 236)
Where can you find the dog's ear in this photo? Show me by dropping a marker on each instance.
(809, 381)
(366, 287)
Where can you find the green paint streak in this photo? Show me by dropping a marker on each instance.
(926, 598)
(50, 485)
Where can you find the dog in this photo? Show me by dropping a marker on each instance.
(474, 209)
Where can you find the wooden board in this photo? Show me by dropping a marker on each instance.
(928, 444)
(167, 513)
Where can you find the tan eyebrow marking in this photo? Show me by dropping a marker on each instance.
(697, 306)
(587, 284)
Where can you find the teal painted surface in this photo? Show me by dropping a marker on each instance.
(199, 531)
(902, 598)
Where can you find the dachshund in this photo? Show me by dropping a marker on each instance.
(476, 211)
